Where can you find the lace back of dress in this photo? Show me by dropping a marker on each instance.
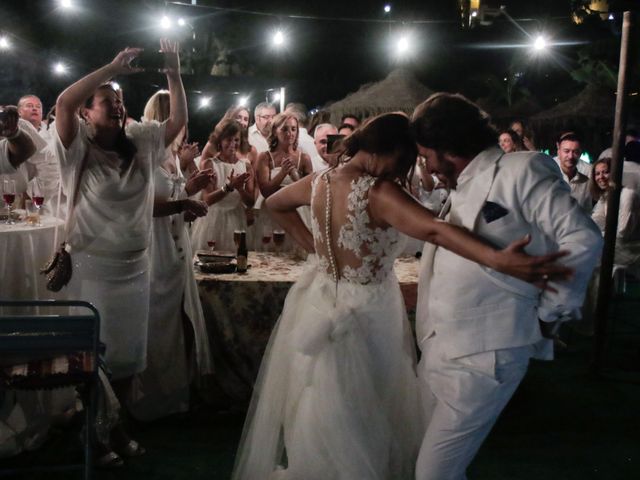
(350, 246)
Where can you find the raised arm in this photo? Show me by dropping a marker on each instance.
(282, 206)
(74, 96)
(391, 205)
(178, 99)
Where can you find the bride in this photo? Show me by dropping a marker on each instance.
(337, 397)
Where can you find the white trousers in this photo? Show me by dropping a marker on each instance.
(462, 398)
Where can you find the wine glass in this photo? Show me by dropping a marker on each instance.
(266, 237)
(9, 196)
(212, 244)
(37, 197)
(278, 240)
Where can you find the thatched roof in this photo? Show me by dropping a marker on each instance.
(400, 91)
(592, 104)
(523, 108)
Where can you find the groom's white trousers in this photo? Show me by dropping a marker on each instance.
(462, 398)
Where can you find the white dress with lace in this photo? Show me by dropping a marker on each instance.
(336, 397)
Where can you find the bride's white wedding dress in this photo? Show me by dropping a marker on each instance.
(337, 397)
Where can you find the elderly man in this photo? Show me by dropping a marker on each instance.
(43, 164)
(477, 328)
(259, 131)
(30, 109)
(16, 146)
(569, 151)
(320, 141)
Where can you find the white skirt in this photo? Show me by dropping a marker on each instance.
(118, 286)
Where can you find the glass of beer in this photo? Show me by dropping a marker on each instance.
(278, 240)
(236, 237)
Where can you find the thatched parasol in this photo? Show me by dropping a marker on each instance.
(400, 91)
(590, 113)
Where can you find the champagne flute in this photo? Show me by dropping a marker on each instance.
(9, 196)
(35, 192)
(278, 240)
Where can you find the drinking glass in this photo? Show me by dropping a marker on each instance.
(278, 240)
(236, 238)
(212, 244)
(9, 196)
(35, 192)
(266, 237)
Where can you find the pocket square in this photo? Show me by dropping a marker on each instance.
(492, 211)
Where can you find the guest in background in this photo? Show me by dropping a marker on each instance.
(509, 141)
(15, 145)
(630, 135)
(346, 129)
(176, 321)
(320, 141)
(525, 133)
(319, 117)
(627, 251)
(350, 119)
(569, 151)
(259, 131)
(228, 197)
(282, 165)
(108, 169)
(305, 141)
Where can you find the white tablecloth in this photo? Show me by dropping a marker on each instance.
(23, 251)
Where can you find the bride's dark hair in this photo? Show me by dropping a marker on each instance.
(386, 134)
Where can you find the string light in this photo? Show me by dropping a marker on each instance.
(278, 38)
(60, 68)
(540, 44)
(387, 8)
(165, 22)
(204, 102)
(5, 44)
(243, 101)
(66, 4)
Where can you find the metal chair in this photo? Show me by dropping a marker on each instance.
(30, 341)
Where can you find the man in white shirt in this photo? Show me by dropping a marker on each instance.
(476, 328)
(320, 141)
(259, 131)
(15, 145)
(569, 151)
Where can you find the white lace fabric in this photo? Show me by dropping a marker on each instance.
(365, 253)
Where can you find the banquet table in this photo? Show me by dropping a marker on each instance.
(241, 309)
(23, 250)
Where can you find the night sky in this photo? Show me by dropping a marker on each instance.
(325, 58)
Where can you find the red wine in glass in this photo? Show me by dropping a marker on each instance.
(9, 198)
(266, 239)
(38, 201)
(278, 237)
(212, 245)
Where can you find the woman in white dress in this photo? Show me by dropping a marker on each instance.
(110, 229)
(337, 396)
(176, 321)
(229, 196)
(283, 164)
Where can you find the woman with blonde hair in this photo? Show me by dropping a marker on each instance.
(176, 321)
(283, 164)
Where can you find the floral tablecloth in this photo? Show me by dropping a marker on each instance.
(241, 309)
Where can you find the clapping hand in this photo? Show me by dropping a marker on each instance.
(8, 121)
(121, 64)
(194, 209)
(287, 165)
(199, 180)
(238, 181)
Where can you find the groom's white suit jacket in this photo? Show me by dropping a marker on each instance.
(502, 198)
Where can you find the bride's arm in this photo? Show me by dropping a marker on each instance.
(390, 204)
(282, 206)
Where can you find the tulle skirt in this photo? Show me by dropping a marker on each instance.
(337, 395)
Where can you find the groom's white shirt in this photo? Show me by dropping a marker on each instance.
(475, 309)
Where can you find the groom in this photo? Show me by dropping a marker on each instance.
(477, 329)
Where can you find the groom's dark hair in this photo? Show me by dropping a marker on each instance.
(451, 123)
